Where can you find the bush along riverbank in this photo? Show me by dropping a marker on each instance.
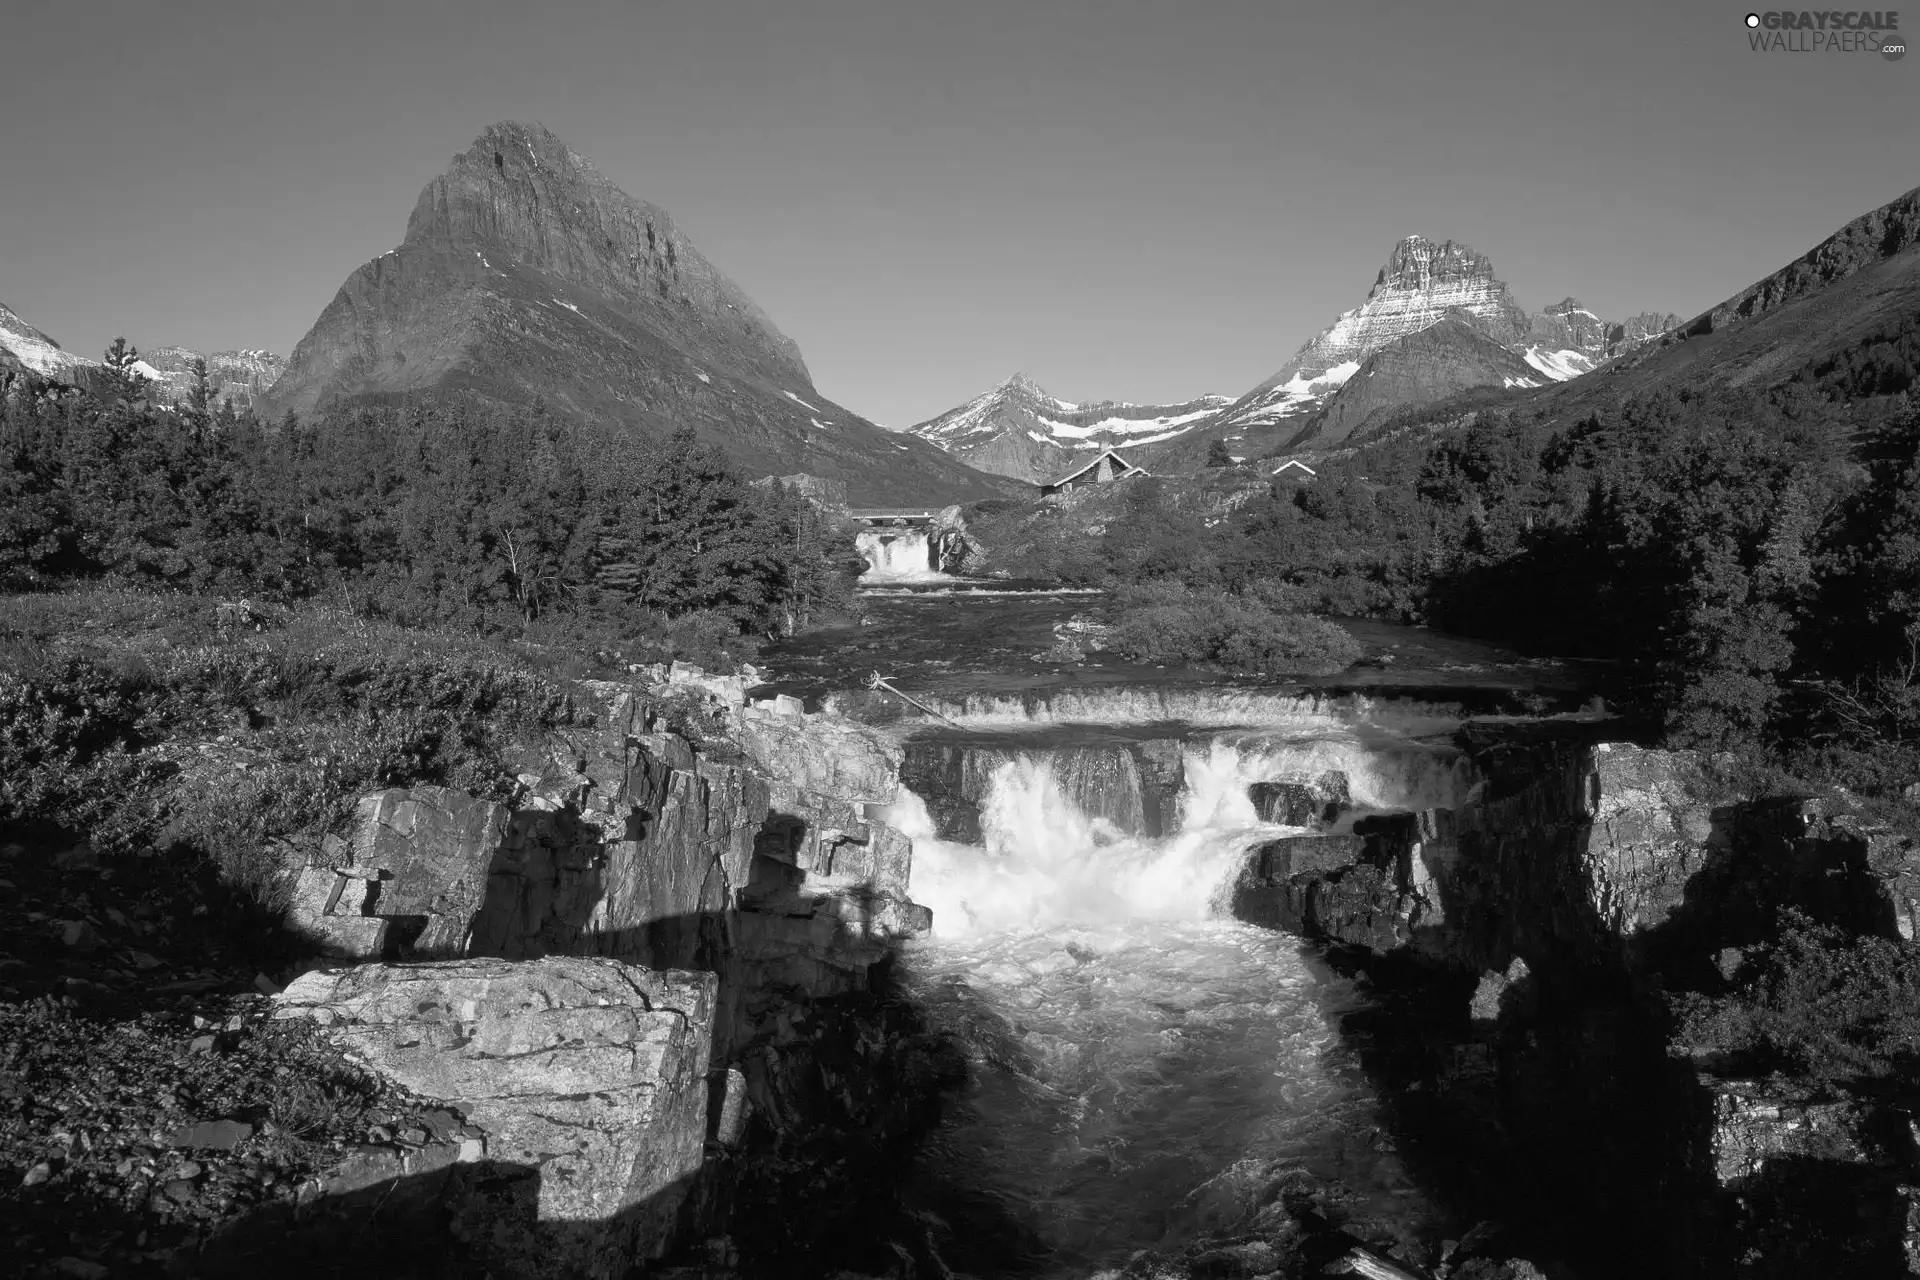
(1653, 1019)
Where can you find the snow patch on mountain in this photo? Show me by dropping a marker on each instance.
(34, 349)
(1019, 429)
(1559, 365)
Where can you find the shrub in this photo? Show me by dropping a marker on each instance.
(1166, 622)
(1835, 1008)
(110, 733)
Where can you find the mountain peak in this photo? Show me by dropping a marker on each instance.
(1419, 263)
(527, 276)
(519, 196)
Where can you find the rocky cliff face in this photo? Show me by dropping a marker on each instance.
(1019, 430)
(651, 953)
(240, 378)
(1532, 932)
(526, 274)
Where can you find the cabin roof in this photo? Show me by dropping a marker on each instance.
(1077, 472)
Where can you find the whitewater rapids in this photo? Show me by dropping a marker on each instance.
(1136, 1051)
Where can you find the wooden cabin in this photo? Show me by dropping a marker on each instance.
(1105, 469)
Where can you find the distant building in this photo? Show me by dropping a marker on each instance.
(1293, 469)
(1109, 466)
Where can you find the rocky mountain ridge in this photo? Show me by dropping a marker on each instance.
(241, 377)
(1019, 430)
(1421, 284)
(526, 275)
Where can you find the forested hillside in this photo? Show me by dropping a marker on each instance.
(434, 509)
(1749, 561)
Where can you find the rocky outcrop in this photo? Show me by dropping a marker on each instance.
(753, 876)
(588, 1074)
(525, 274)
(1531, 934)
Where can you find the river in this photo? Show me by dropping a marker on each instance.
(1143, 1064)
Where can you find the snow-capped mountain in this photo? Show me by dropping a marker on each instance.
(1018, 429)
(239, 376)
(34, 350)
(1421, 284)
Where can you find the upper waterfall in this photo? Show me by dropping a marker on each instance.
(898, 555)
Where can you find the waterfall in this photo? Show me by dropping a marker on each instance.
(898, 555)
(1061, 844)
(1135, 1049)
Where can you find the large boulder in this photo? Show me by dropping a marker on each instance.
(592, 1072)
(1379, 886)
(822, 753)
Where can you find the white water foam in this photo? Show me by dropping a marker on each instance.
(1149, 1053)
(1047, 861)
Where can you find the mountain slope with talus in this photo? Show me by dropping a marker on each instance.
(526, 275)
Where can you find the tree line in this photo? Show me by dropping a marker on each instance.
(436, 508)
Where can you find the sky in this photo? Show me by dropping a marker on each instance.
(1122, 200)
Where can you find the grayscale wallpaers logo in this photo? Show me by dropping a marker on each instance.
(1828, 31)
